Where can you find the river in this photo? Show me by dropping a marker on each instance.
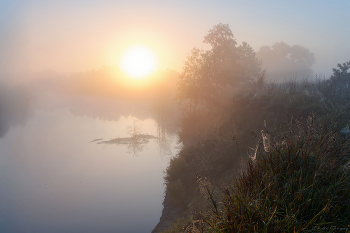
(55, 178)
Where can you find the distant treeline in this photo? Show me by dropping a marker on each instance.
(15, 106)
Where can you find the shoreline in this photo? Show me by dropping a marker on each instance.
(169, 215)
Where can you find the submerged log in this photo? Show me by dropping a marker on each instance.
(138, 138)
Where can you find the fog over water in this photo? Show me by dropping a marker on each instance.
(76, 146)
(53, 180)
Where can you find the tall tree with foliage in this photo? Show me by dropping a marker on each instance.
(207, 72)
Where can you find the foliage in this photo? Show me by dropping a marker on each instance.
(178, 225)
(337, 88)
(220, 37)
(208, 147)
(341, 73)
(206, 73)
(299, 177)
(177, 193)
(248, 61)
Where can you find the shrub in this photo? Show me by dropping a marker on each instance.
(177, 193)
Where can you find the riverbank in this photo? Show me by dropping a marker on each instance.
(170, 214)
(218, 143)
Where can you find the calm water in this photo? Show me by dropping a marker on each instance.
(53, 180)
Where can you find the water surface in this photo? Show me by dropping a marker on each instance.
(53, 180)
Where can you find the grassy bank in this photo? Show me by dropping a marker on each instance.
(297, 181)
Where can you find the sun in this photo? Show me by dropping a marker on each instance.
(138, 61)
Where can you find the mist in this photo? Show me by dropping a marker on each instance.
(70, 37)
(55, 177)
(284, 62)
(86, 147)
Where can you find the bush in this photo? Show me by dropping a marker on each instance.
(177, 193)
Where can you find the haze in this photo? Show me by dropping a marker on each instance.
(77, 36)
(83, 145)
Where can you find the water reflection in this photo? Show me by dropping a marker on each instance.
(53, 180)
(15, 106)
(136, 140)
(165, 136)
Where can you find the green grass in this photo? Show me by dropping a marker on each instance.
(300, 185)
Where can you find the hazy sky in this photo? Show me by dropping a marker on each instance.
(71, 36)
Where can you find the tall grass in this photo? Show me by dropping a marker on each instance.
(298, 184)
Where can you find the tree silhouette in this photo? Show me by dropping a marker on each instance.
(341, 72)
(284, 61)
(206, 73)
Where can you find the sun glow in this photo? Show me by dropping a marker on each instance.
(138, 62)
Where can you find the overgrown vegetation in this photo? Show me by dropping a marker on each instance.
(270, 158)
(299, 182)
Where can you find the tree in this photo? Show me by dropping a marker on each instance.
(284, 61)
(248, 61)
(341, 72)
(189, 80)
(206, 73)
(338, 85)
